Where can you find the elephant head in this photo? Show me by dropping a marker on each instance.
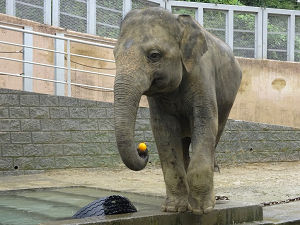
(154, 51)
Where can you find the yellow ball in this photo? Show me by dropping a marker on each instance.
(142, 146)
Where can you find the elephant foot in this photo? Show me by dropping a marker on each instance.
(175, 204)
(201, 196)
(202, 205)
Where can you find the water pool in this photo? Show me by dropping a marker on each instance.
(34, 206)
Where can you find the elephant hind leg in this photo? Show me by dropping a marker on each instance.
(186, 151)
(222, 123)
(186, 154)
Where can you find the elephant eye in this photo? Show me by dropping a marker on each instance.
(154, 55)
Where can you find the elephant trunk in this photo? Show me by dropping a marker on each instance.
(126, 101)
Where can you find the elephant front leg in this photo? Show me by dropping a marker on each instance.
(166, 131)
(201, 168)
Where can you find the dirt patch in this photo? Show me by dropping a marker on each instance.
(256, 183)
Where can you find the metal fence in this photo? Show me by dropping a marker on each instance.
(251, 32)
(281, 38)
(63, 67)
(98, 17)
(238, 26)
(36, 10)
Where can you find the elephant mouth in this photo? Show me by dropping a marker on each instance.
(148, 93)
(152, 93)
(157, 87)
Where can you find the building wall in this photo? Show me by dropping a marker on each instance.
(269, 92)
(42, 132)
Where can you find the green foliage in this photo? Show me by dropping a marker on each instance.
(184, 11)
(244, 27)
(245, 21)
(280, 4)
(31, 13)
(227, 2)
(297, 43)
(2, 6)
(214, 19)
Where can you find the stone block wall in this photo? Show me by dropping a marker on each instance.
(257, 142)
(40, 132)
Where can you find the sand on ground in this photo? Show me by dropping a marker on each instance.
(254, 183)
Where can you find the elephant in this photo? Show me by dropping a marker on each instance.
(191, 79)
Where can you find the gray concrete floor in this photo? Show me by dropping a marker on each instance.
(252, 183)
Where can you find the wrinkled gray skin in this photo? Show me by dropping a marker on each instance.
(191, 79)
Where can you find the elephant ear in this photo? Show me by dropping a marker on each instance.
(193, 43)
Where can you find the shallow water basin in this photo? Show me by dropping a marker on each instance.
(34, 206)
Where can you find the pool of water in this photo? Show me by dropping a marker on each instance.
(34, 206)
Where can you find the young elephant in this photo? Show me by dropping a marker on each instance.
(190, 78)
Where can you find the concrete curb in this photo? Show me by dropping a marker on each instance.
(224, 213)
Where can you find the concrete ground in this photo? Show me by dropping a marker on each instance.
(253, 183)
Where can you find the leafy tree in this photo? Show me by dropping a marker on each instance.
(281, 4)
(227, 2)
